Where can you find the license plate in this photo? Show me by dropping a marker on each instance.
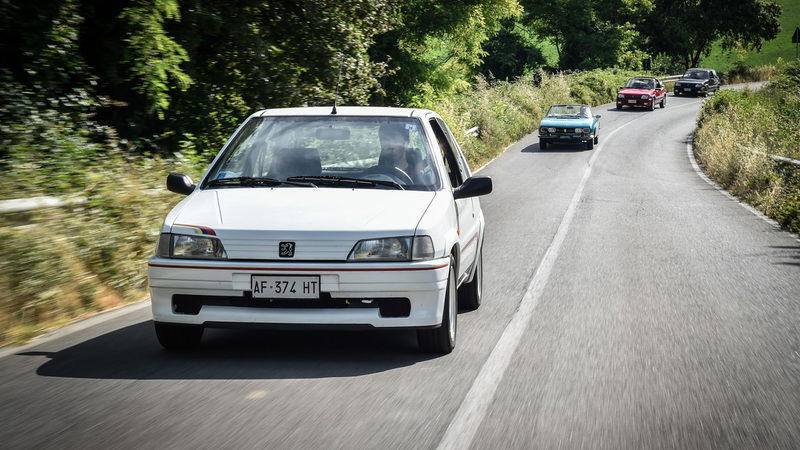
(265, 286)
(631, 101)
(687, 89)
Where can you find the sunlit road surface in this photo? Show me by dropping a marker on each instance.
(628, 304)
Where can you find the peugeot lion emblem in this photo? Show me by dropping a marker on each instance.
(286, 250)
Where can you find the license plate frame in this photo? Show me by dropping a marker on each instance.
(285, 286)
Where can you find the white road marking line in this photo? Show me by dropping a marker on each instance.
(696, 167)
(256, 395)
(465, 423)
(470, 414)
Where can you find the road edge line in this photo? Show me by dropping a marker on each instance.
(723, 191)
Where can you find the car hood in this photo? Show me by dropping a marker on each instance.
(691, 81)
(580, 122)
(637, 91)
(324, 223)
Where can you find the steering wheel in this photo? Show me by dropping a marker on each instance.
(396, 172)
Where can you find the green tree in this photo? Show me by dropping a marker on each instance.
(590, 34)
(688, 28)
(511, 52)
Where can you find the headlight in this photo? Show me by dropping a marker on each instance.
(586, 130)
(551, 130)
(405, 248)
(645, 97)
(620, 95)
(192, 247)
(543, 130)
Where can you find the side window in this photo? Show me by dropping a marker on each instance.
(451, 162)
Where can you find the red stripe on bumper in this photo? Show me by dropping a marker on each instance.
(286, 269)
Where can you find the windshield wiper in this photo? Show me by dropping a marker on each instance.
(254, 181)
(355, 182)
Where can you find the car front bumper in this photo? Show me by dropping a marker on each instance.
(351, 294)
(565, 138)
(690, 90)
(636, 104)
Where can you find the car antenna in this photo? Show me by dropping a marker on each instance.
(338, 80)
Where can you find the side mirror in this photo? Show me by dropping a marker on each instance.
(180, 183)
(597, 116)
(473, 187)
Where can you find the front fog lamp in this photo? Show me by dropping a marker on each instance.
(404, 248)
(191, 247)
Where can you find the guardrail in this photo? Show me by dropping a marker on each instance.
(19, 205)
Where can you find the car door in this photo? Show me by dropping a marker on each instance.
(661, 91)
(457, 172)
(714, 80)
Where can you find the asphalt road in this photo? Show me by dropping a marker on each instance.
(655, 312)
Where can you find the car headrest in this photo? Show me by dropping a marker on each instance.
(290, 162)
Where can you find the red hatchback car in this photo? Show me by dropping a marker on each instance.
(642, 92)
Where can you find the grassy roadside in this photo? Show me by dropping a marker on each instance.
(63, 264)
(737, 129)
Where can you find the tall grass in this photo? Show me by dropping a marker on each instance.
(737, 129)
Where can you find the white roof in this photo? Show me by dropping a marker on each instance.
(378, 111)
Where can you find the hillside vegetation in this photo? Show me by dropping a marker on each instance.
(779, 47)
(736, 132)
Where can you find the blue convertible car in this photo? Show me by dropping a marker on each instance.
(569, 124)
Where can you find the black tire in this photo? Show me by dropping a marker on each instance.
(589, 144)
(596, 139)
(664, 102)
(442, 339)
(542, 145)
(469, 294)
(652, 106)
(676, 94)
(619, 106)
(178, 337)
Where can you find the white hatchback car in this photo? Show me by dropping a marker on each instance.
(364, 217)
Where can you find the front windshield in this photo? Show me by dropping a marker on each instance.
(386, 150)
(696, 74)
(569, 111)
(640, 83)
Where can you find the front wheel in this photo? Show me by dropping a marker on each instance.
(469, 294)
(619, 106)
(596, 139)
(542, 145)
(664, 102)
(590, 144)
(442, 339)
(178, 337)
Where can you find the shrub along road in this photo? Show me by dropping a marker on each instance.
(664, 315)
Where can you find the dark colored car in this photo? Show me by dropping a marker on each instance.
(642, 92)
(697, 82)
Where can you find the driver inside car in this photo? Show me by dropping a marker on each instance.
(396, 154)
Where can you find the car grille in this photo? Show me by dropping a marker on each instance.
(565, 130)
(305, 249)
(632, 97)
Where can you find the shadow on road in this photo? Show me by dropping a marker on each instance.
(559, 148)
(790, 253)
(134, 353)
